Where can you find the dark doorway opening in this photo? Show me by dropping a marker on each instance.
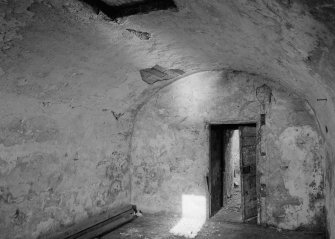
(232, 172)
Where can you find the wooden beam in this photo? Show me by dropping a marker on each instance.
(97, 225)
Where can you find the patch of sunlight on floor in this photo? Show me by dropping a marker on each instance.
(193, 216)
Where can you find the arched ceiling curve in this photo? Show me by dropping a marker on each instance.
(288, 41)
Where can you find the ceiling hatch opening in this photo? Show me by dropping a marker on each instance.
(122, 8)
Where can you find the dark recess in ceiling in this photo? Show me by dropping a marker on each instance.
(131, 8)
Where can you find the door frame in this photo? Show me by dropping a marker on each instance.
(208, 179)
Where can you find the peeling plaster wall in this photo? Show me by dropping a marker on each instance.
(70, 82)
(170, 147)
(63, 151)
(57, 169)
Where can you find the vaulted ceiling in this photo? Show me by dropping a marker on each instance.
(323, 10)
(61, 59)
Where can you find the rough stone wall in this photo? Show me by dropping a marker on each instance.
(229, 166)
(170, 147)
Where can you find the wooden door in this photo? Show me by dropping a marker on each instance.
(215, 169)
(248, 172)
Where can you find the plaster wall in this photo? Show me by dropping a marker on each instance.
(170, 147)
(64, 152)
(57, 169)
(66, 74)
(236, 157)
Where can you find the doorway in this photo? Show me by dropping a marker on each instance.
(232, 172)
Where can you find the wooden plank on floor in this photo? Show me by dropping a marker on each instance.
(106, 227)
(95, 222)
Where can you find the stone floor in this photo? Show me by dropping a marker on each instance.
(227, 224)
(231, 212)
(157, 226)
